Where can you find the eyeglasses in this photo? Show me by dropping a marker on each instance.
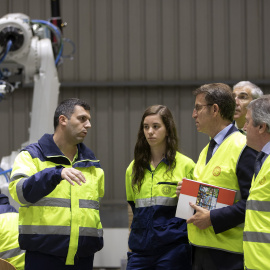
(242, 97)
(198, 107)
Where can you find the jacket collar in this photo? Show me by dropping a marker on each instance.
(5, 206)
(49, 148)
(164, 160)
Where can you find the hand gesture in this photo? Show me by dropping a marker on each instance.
(73, 175)
(201, 218)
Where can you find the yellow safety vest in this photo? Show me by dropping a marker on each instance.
(220, 171)
(257, 223)
(9, 245)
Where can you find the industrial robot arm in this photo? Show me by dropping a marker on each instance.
(30, 51)
(34, 55)
(27, 55)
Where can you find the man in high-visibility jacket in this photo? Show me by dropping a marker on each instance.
(217, 235)
(58, 183)
(9, 233)
(257, 229)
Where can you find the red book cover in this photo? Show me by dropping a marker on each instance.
(204, 195)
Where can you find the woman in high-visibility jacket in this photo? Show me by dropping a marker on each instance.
(157, 237)
(9, 233)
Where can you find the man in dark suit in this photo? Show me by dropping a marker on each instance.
(217, 235)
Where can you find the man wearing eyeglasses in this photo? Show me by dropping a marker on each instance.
(217, 235)
(244, 92)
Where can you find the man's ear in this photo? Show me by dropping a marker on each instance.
(262, 128)
(215, 108)
(62, 120)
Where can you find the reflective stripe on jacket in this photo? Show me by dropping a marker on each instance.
(9, 245)
(154, 223)
(220, 171)
(257, 229)
(55, 217)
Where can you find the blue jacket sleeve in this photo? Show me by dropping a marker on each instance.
(41, 184)
(228, 217)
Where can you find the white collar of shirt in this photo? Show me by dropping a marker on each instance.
(266, 150)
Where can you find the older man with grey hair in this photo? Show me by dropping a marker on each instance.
(257, 230)
(244, 93)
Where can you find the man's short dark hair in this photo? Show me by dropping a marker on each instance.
(220, 94)
(66, 108)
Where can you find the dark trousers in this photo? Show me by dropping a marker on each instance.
(212, 259)
(41, 261)
(173, 258)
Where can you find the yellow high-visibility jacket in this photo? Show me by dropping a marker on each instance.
(154, 224)
(55, 217)
(257, 229)
(9, 233)
(220, 171)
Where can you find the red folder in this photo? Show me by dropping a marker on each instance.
(207, 196)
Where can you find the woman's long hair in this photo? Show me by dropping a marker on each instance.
(142, 152)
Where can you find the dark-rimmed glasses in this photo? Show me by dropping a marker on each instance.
(198, 107)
